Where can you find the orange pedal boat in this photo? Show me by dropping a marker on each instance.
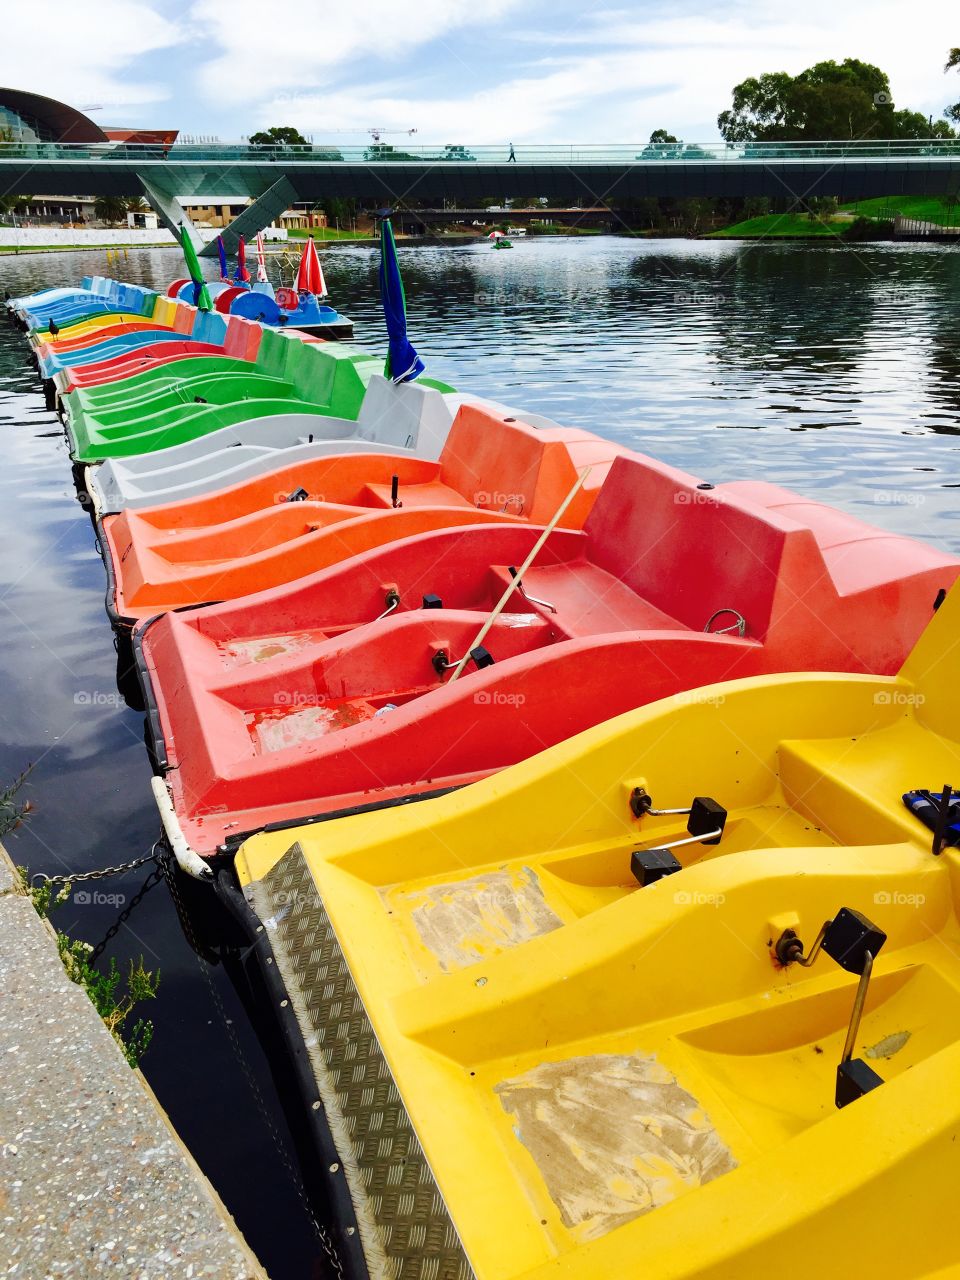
(291, 522)
(336, 693)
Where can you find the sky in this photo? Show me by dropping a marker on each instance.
(517, 70)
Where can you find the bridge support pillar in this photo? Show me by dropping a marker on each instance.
(170, 211)
(255, 217)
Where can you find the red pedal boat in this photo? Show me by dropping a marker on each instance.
(335, 692)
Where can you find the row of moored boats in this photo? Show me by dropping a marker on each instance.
(590, 822)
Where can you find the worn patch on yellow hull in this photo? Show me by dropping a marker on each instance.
(888, 1046)
(613, 1135)
(466, 920)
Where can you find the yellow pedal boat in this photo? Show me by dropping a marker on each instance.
(555, 1035)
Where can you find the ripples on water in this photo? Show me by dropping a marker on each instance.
(832, 370)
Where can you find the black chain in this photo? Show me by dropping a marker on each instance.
(102, 874)
(152, 880)
(169, 872)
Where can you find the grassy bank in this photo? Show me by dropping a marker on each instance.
(559, 229)
(923, 208)
(787, 226)
(322, 234)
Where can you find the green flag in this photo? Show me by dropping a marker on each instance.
(201, 294)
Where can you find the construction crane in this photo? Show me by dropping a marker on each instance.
(376, 134)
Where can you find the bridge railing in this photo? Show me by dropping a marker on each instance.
(556, 154)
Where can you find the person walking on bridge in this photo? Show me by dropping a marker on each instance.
(512, 156)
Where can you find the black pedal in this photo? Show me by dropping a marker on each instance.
(650, 865)
(298, 495)
(849, 937)
(705, 816)
(854, 1079)
(482, 657)
(432, 602)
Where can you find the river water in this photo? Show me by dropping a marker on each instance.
(833, 370)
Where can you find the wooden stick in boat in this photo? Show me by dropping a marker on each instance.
(515, 582)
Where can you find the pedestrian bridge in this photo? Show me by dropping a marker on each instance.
(274, 177)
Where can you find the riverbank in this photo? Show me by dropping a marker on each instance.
(800, 227)
(96, 1181)
(859, 220)
(22, 250)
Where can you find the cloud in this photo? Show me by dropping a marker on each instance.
(317, 41)
(81, 52)
(706, 56)
(527, 106)
(600, 75)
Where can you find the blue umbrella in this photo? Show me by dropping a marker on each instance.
(221, 250)
(403, 363)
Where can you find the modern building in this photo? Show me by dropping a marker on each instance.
(33, 118)
(30, 117)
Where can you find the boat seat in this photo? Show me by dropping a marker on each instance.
(588, 601)
(862, 779)
(430, 494)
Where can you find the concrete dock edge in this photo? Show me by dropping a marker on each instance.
(93, 1179)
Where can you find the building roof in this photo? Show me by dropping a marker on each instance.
(161, 137)
(66, 123)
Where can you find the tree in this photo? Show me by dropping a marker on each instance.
(279, 136)
(830, 100)
(953, 60)
(662, 146)
(914, 124)
(337, 209)
(110, 209)
(759, 110)
(14, 204)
